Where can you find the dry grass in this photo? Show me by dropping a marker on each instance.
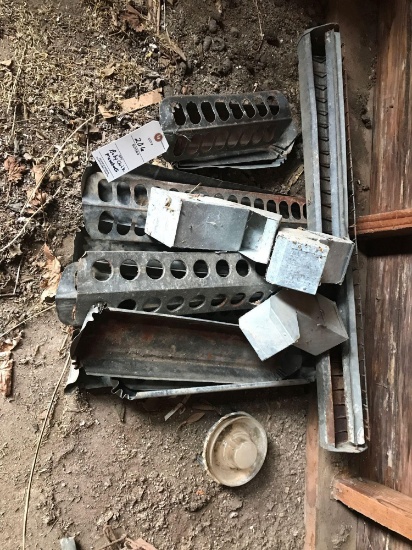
(68, 59)
(66, 62)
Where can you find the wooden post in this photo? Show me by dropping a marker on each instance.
(377, 502)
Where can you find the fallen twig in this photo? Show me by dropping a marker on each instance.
(164, 14)
(13, 126)
(64, 343)
(109, 544)
(33, 466)
(260, 23)
(25, 320)
(194, 188)
(159, 8)
(17, 277)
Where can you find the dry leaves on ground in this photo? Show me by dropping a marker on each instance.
(133, 18)
(176, 49)
(14, 169)
(38, 172)
(195, 417)
(134, 103)
(109, 70)
(6, 364)
(38, 199)
(52, 275)
(139, 544)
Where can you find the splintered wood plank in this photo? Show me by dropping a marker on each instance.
(388, 307)
(387, 224)
(388, 349)
(391, 187)
(387, 507)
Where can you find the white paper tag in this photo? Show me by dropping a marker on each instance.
(130, 151)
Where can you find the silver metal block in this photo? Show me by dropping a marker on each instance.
(337, 263)
(340, 253)
(180, 283)
(260, 235)
(68, 543)
(320, 325)
(297, 262)
(192, 221)
(271, 327)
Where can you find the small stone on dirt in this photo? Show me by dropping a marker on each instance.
(235, 503)
(218, 45)
(213, 25)
(226, 67)
(207, 42)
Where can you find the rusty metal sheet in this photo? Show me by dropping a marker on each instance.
(129, 345)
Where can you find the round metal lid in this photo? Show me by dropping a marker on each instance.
(235, 449)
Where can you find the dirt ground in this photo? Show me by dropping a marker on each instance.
(104, 461)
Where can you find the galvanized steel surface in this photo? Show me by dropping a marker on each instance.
(191, 221)
(297, 262)
(163, 282)
(117, 211)
(325, 154)
(212, 127)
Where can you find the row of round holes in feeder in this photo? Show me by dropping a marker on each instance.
(142, 200)
(238, 109)
(177, 302)
(123, 191)
(270, 205)
(229, 139)
(129, 270)
(106, 222)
